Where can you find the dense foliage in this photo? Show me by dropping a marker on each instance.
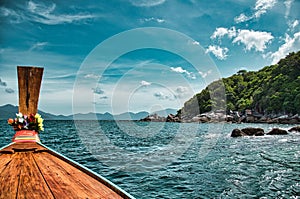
(273, 89)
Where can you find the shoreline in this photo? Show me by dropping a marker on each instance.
(221, 117)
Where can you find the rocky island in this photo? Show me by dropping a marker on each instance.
(270, 95)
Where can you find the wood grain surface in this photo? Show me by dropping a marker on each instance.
(28, 170)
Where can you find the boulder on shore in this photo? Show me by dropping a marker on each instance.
(172, 118)
(253, 131)
(296, 129)
(259, 133)
(277, 131)
(237, 133)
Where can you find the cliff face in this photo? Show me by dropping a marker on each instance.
(274, 89)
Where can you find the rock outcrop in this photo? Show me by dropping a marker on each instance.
(295, 129)
(247, 132)
(259, 133)
(253, 131)
(172, 118)
(277, 131)
(237, 133)
(153, 118)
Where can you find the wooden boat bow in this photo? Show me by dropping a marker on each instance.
(32, 170)
(29, 169)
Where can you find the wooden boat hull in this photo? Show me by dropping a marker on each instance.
(32, 170)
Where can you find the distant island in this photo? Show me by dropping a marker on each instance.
(270, 95)
(9, 111)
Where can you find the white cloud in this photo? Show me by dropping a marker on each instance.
(40, 8)
(288, 4)
(11, 15)
(250, 38)
(191, 76)
(161, 96)
(146, 3)
(179, 70)
(253, 39)
(291, 44)
(221, 32)
(44, 14)
(183, 71)
(242, 18)
(145, 83)
(220, 53)
(181, 92)
(92, 76)
(41, 13)
(181, 89)
(158, 20)
(195, 43)
(204, 74)
(293, 24)
(261, 7)
(38, 45)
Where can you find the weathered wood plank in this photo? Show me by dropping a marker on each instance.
(54, 174)
(9, 178)
(32, 184)
(4, 161)
(64, 178)
(29, 79)
(32, 171)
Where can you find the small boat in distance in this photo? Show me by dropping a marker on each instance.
(29, 169)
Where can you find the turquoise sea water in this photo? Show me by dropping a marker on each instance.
(171, 160)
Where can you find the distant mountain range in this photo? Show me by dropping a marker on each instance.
(9, 111)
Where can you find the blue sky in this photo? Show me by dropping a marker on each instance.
(135, 55)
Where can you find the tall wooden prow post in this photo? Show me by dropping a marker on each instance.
(29, 80)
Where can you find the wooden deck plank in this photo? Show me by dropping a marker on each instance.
(9, 177)
(4, 160)
(32, 184)
(64, 178)
(29, 170)
(55, 176)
